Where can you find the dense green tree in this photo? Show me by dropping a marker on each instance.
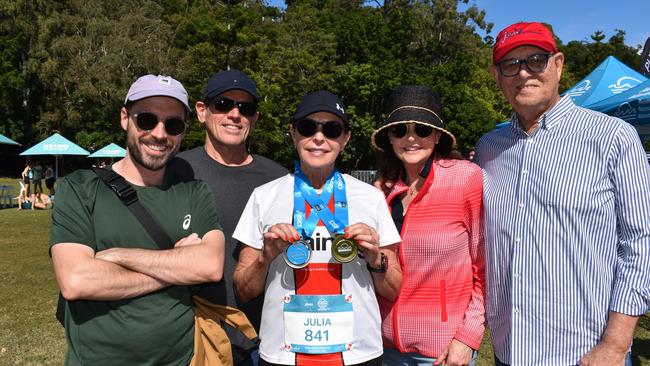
(66, 65)
(582, 57)
(88, 53)
(19, 85)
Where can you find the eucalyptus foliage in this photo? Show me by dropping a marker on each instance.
(66, 65)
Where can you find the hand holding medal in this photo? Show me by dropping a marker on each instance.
(281, 238)
(367, 240)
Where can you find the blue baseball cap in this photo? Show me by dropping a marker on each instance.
(232, 79)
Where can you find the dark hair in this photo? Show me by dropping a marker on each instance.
(389, 167)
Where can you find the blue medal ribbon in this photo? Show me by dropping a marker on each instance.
(303, 191)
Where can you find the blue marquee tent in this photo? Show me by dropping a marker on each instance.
(632, 106)
(6, 140)
(609, 78)
(109, 151)
(55, 145)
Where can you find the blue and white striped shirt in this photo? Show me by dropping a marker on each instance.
(567, 233)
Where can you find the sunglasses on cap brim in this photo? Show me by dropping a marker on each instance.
(400, 130)
(224, 105)
(330, 129)
(147, 121)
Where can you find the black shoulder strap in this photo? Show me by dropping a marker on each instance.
(129, 197)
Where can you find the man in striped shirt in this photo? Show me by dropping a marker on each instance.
(567, 215)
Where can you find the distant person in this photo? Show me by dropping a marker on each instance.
(128, 300)
(24, 203)
(37, 177)
(567, 217)
(40, 201)
(26, 177)
(436, 205)
(49, 179)
(229, 111)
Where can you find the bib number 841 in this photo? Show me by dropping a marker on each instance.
(318, 335)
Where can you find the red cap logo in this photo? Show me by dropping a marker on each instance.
(522, 34)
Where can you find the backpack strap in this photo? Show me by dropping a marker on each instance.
(128, 195)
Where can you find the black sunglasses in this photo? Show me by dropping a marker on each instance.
(147, 121)
(224, 105)
(534, 63)
(399, 130)
(308, 127)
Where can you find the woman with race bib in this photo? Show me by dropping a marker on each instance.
(318, 244)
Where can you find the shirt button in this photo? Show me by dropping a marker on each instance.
(524, 172)
(521, 205)
(516, 311)
(517, 240)
(516, 276)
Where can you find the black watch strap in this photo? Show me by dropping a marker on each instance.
(383, 266)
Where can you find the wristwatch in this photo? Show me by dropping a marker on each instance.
(382, 266)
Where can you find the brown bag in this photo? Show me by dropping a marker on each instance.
(212, 346)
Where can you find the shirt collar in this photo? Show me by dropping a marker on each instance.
(551, 118)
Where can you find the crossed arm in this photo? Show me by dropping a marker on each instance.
(122, 273)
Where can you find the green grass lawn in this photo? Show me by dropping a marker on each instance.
(29, 334)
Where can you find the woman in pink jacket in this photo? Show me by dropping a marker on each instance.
(436, 205)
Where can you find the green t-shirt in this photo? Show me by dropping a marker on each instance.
(153, 329)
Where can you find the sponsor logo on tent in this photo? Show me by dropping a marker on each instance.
(642, 93)
(623, 84)
(55, 147)
(580, 89)
(625, 111)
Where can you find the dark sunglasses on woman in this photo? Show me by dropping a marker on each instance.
(331, 129)
(399, 130)
(147, 121)
(225, 105)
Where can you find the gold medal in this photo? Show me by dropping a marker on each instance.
(344, 250)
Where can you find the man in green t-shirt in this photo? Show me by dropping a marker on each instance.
(128, 300)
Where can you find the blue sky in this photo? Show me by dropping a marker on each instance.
(571, 20)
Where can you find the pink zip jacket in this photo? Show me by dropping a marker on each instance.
(443, 263)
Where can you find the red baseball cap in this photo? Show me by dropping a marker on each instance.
(521, 34)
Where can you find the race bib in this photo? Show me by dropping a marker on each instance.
(318, 324)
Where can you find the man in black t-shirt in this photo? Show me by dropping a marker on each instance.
(228, 109)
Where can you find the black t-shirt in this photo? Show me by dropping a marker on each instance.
(231, 186)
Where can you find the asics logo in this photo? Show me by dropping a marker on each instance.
(187, 220)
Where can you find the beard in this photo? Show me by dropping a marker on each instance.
(156, 162)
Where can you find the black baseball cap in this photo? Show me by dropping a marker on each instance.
(321, 101)
(232, 79)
